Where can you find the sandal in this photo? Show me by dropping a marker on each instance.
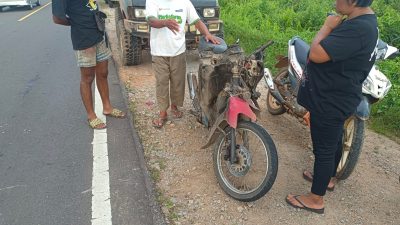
(159, 122)
(303, 206)
(116, 113)
(97, 124)
(176, 113)
(308, 176)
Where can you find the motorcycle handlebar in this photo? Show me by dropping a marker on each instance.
(263, 47)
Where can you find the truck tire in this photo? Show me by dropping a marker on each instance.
(118, 14)
(129, 45)
(137, 50)
(118, 18)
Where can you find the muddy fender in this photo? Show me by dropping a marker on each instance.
(238, 106)
(218, 128)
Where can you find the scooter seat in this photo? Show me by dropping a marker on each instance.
(301, 48)
(208, 46)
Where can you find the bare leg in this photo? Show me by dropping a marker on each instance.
(102, 85)
(87, 77)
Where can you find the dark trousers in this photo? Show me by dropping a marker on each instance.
(326, 135)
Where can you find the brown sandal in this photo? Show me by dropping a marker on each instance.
(159, 122)
(176, 113)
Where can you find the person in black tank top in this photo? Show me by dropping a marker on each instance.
(341, 56)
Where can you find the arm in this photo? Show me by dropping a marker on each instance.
(61, 21)
(204, 31)
(59, 10)
(193, 18)
(317, 52)
(153, 21)
(169, 23)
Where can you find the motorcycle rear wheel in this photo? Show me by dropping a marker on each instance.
(273, 106)
(353, 138)
(253, 175)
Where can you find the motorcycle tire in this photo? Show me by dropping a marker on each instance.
(353, 139)
(273, 106)
(227, 173)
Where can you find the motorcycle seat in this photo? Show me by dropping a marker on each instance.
(208, 46)
(301, 48)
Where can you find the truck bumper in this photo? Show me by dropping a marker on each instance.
(142, 29)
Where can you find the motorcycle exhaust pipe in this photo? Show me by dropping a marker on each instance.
(275, 93)
(271, 86)
(189, 77)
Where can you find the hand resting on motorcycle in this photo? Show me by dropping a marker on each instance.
(219, 48)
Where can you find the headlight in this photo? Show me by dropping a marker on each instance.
(209, 12)
(140, 13)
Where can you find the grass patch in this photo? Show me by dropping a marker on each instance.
(169, 207)
(155, 174)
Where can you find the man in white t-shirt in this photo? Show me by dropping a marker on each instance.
(167, 19)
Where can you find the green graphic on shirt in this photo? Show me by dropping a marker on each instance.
(175, 17)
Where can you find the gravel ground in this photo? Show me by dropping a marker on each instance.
(189, 192)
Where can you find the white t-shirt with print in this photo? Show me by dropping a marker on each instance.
(163, 42)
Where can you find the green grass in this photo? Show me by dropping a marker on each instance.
(255, 22)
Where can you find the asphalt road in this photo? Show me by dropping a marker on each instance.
(46, 151)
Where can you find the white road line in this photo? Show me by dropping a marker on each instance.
(37, 10)
(101, 204)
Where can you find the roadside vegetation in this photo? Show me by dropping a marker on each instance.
(256, 21)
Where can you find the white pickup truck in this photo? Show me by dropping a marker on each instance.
(30, 4)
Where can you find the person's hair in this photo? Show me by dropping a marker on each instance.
(362, 3)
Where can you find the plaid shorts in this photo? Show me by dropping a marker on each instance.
(91, 56)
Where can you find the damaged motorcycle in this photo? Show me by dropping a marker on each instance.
(283, 88)
(224, 99)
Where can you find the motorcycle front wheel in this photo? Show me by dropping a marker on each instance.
(353, 138)
(256, 166)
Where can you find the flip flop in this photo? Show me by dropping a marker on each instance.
(116, 113)
(159, 122)
(97, 124)
(303, 206)
(310, 179)
(176, 113)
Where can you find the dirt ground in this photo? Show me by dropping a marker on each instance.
(185, 177)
